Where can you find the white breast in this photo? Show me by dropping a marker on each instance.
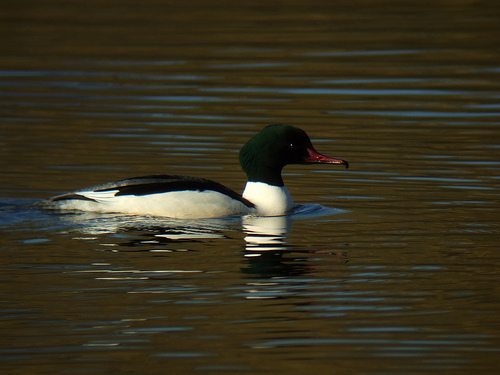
(270, 200)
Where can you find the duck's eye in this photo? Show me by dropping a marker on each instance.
(292, 146)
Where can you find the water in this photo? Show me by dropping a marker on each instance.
(390, 267)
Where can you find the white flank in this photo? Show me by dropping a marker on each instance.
(176, 204)
(270, 200)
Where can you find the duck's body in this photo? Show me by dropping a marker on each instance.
(262, 159)
(159, 195)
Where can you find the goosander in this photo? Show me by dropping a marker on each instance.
(262, 158)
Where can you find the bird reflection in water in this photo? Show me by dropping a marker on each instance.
(265, 234)
(266, 244)
(266, 238)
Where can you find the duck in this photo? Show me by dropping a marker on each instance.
(262, 159)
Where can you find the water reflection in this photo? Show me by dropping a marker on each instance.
(266, 246)
(262, 235)
(266, 234)
(135, 230)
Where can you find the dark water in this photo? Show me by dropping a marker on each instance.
(390, 267)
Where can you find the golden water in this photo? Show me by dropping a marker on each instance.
(401, 275)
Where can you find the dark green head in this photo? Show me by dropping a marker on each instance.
(265, 154)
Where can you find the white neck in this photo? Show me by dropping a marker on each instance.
(270, 200)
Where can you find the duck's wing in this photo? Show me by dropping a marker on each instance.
(154, 184)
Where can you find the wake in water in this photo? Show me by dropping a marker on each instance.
(312, 210)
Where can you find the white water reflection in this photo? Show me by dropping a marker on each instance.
(266, 233)
(262, 234)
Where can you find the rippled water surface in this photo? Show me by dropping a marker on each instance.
(389, 267)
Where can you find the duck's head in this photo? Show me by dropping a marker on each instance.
(265, 154)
